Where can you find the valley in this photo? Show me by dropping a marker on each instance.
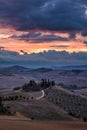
(59, 105)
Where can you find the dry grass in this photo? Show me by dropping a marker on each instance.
(17, 116)
(38, 125)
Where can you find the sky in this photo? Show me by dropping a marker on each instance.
(39, 32)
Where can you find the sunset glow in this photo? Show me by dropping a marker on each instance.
(13, 44)
(48, 28)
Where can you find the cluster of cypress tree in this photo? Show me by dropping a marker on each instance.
(34, 86)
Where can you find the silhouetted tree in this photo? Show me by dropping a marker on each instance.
(33, 86)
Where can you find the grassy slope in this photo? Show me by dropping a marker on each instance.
(74, 104)
(41, 110)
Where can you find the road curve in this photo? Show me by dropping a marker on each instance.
(43, 94)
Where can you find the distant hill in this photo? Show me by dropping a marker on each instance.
(18, 75)
(13, 69)
(20, 69)
(70, 67)
(17, 68)
(42, 70)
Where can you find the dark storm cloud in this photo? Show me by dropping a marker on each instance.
(36, 37)
(83, 1)
(72, 35)
(49, 38)
(49, 58)
(4, 53)
(27, 36)
(84, 33)
(53, 15)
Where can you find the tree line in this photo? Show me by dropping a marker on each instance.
(37, 86)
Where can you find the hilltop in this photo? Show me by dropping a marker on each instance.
(74, 79)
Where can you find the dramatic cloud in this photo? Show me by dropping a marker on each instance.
(44, 59)
(51, 24)
(72, 35)
(35, 37)
(84, 33)
(51, 15)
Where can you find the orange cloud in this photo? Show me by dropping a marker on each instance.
(18, 45)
